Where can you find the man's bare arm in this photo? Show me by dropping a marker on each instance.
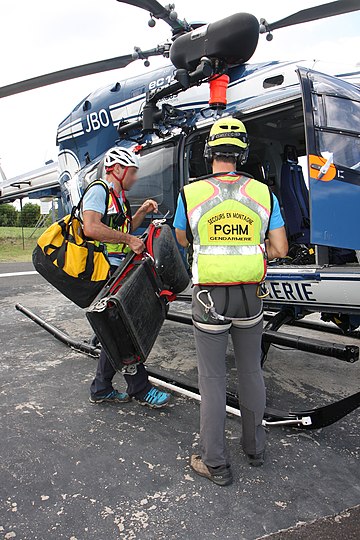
(276, 244)
(181, 237)
(97, 230)
(146, 208)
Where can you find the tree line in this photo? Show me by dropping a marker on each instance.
(10, 217)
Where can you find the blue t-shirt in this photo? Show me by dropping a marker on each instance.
(95, 199)
(276, 219)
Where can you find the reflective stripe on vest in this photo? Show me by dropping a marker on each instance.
(228, 217)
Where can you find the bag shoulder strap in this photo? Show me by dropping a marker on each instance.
(95, 182)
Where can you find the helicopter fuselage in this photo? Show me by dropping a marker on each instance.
(276, 112)
(269, 99)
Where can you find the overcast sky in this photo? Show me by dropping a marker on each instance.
(41, 36)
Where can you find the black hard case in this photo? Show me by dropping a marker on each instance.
(129, 312)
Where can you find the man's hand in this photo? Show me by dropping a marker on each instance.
(135, 244)
(149, 206)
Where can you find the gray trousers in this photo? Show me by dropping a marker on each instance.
(211, 337)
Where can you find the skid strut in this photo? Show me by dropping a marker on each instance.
(348, 353)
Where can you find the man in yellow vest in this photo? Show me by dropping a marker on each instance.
(233, 223)
(113, 228)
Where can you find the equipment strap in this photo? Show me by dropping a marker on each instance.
(209, 308)
(96, 182)
(169, 296)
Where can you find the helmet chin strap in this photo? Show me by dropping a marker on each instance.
(120, 179)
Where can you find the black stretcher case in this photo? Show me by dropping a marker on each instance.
(129, 312)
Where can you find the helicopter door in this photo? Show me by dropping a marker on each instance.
(332, 129)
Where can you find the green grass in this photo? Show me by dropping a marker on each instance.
(12, 248)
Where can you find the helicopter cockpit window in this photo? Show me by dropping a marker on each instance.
(340, 114)
(155, 180)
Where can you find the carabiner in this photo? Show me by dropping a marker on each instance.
(262, 291)
(206, 307)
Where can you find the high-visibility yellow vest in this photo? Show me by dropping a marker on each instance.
(228, 216)
(118, 217)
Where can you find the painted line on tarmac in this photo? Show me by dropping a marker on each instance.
(13, 274)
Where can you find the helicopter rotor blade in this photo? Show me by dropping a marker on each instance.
(83, 70)
(317, 12)
(66, 74)
(158, 11)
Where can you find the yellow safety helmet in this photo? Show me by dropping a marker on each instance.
(227, 136)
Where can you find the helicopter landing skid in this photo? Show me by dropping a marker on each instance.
(309, 419)
(314, 418)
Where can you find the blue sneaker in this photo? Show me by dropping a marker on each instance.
(113, 397)
(155, 399)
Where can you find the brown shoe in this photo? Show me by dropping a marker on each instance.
(222, 476)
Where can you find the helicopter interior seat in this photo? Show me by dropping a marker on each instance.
(295, 198)
(256, 170)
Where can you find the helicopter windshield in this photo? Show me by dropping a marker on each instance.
(155, 179)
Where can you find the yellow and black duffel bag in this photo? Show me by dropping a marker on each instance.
(76, 266)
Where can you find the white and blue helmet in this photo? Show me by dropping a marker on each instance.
(122, 156)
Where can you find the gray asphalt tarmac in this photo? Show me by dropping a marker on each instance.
(72, 470)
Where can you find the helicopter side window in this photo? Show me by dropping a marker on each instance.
(346, 148)
(197, 163)
(155, 179)
(340, 114)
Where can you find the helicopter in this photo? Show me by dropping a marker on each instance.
(291, 110)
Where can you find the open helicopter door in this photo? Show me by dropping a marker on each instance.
(332, 118)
